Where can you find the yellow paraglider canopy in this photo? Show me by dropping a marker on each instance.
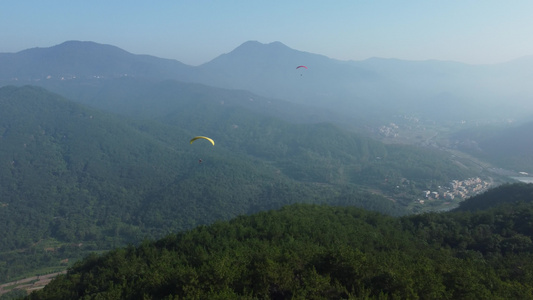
(202, 137)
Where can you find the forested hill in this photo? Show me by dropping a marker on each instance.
(277, 131)
(501, 195)
(322, 252)
(509, 147)
(142, 98)
(75, 180)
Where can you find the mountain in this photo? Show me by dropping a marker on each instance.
(142, 98)
(503, 195)
(110, 164)
(270, 69)
(439, 90)
(83, 60)
(512, 147)
(371, 90)
(250, 124)
(505, 146)
(75, 175)
(322, 252)
(79, 176)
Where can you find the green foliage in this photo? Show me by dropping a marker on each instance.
(320, 252)
(506, 146)
(14, 294)
(504, 194)
(87, 178)
(94, 181)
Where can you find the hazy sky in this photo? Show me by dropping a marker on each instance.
(196, 31)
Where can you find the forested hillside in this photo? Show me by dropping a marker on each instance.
(504, 194)
(507, 146)
(142, 98)
(75, 180)
(265, 128)
(324, 252)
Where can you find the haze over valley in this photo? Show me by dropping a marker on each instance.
(306, 164)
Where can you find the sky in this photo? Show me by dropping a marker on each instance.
(197, 31)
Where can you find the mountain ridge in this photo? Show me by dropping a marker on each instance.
(255, 43)
(370, 89)
(77, 59)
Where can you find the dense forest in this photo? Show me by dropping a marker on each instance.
(322, 252)
(317, 208)
(76, 179)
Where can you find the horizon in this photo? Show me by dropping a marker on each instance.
(301, 50)
(470, 32)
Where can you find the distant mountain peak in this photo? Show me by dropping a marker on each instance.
(257, 52)
(84, 59)
(89, 46)
(255, 45)
(76, 43)
(79, 47)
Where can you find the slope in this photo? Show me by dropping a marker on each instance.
(142, 98)
(507, 146)
(373, 89)
(265, 129)
(76, 179)
(83, 60)
(250, 124)
(502, 195)
(321, 252)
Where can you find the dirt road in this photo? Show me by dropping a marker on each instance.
(29, 284)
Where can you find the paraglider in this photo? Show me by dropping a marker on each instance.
(298, 67)
(202, 137)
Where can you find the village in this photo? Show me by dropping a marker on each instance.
(457, 190)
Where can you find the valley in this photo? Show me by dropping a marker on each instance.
(95, 159)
